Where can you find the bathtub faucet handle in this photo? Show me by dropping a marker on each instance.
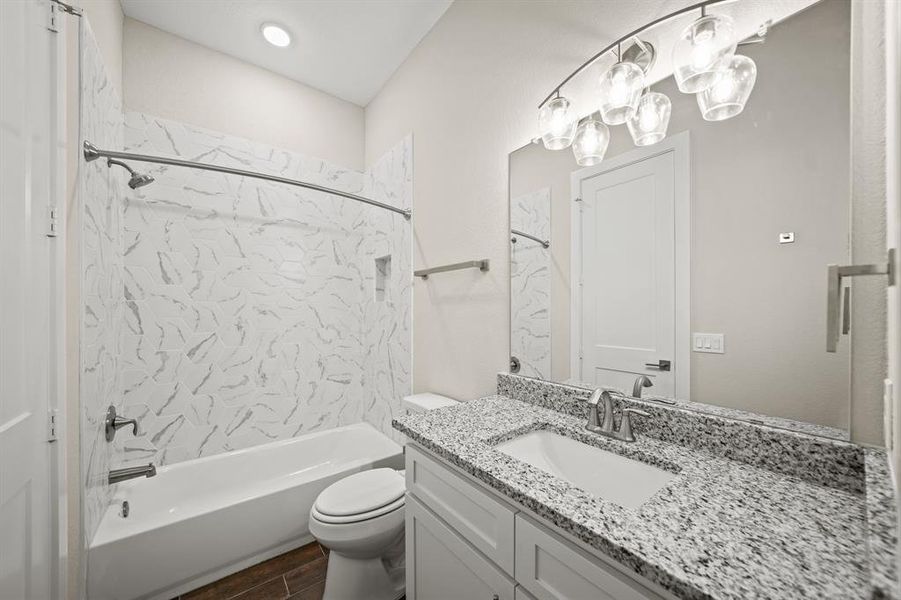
(114, 422)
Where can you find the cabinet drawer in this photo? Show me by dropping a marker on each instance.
(483, 521)
(443, 566)
(552, 569)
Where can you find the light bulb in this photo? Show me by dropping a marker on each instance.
(590, 143)
(731, 90)
(649, 123)
(620, 89)
(276, 35)
(703, 49)
(556, 124)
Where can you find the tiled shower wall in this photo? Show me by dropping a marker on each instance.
(100, 193)
(256, 311)
(530, 284)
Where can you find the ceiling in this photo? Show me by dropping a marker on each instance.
(346, 48)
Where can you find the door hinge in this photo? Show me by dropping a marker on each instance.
(578, 200)
(52, 16)
(52, 424)
(52, 222)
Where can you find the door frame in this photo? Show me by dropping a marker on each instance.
(680, 147)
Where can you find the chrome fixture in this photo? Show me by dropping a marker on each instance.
(482, 265)
(660, 365)
(137, 179)
(515, 365)
(704, 63)
(605, 426)
(114, 422)
(126, 509)
(119, 475)
(642, 381)
(515, 232)
(835, 274)
(92, 153)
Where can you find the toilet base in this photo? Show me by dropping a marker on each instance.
(359, 578)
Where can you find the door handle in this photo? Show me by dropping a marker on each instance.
(660, 365)
(835, 318)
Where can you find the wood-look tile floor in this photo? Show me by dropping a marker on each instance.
(298, 575)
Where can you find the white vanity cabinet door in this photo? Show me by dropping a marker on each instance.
(551, 569)
(483, 521)
(443, 566)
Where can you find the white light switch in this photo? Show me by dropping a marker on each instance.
(714, 343)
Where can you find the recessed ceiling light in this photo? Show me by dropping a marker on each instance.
(275, 35)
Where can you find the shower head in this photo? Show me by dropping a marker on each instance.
(137, 179)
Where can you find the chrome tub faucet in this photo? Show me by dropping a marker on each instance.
(119, 475)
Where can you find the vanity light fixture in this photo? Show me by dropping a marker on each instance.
(557, 124)
(276, 35)
(729, 93)
(703, 49)
(651, 118)
(590, 143)
(704, 63)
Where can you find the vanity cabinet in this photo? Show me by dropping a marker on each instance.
(441, 565)
(464, 540)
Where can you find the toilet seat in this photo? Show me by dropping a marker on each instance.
(384, 510)
(360, 497)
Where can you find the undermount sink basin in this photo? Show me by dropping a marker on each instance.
(629, 483)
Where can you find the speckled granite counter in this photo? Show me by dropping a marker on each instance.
(720, 529)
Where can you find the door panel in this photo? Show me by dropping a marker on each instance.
(26, 532)
(628, 274)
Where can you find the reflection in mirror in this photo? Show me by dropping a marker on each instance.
(700, 261)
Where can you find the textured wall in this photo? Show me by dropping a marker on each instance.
(252, 313)
(530, 284)
(100, 210)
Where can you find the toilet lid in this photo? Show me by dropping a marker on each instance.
(361, 493)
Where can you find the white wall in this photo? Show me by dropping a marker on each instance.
(170, 77)
(469, 93)
(868, 189)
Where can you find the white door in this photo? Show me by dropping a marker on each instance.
(27, 534)
(625, 248)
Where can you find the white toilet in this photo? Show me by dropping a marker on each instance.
(361, 520)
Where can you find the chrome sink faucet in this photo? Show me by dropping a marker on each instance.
(604, 426)
(642, 381)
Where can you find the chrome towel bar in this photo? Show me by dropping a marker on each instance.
(482, 265)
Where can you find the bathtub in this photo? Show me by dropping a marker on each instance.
(200, 520)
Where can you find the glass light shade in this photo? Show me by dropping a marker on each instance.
(590, 144)
(729, 94)
(557, 124)
(648, 124)
(703, 49)
(621, 88)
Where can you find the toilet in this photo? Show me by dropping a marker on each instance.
(360, 519)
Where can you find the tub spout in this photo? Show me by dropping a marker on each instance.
(117, 475)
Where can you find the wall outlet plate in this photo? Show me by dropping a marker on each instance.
(712, 343)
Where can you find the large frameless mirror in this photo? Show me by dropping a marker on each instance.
(694, 262)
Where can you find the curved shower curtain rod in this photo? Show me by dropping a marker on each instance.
(92, 153)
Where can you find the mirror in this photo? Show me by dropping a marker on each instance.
(700, 261)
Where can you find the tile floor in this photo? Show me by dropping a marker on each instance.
(295, 575)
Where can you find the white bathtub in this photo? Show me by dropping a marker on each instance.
(200, 520)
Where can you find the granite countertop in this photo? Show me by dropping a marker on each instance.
(720, 529)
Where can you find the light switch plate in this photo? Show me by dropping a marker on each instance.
(713, 343)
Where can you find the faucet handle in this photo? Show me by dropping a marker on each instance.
(114, 422)
(625, 426)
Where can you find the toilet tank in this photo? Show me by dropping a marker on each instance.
(418, 403)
